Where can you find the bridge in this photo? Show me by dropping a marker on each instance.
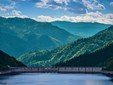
(57, 70)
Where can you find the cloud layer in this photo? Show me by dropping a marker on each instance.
(93, 4)
(4, 7)
(89, 17)
(9, 9)
(75, 6)
(70, 10)
(111, 3)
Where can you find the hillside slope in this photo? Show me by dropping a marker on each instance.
(21, 35)
(98, 58)
(6, 60)
(72, 50)
(84, 29)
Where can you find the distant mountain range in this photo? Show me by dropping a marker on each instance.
(22, 35)
(83, 29)
(42, 44)
(70, 51)
(6, 61)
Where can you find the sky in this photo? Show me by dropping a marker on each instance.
(59, 10)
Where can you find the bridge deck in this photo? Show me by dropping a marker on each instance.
(58, 70)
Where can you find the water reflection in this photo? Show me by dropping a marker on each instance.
(55, 79)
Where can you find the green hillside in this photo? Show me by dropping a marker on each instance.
(72, 50)
(21, 35)
(6, 60)
(102, 57)
(109, 64)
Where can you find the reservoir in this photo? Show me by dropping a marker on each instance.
(55, 79)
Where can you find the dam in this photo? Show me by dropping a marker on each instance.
(57, 70)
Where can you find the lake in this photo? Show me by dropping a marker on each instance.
(55, 79)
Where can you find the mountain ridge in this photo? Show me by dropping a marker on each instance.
(75, 49)
(97, 58)
(28, 32)
(83, 29)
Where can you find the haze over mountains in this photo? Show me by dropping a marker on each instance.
(83, 29)
(42, 44)
(67, 52)
(22, 35)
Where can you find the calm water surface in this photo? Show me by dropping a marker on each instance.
(55, 79)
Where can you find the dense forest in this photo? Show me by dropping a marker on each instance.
(7, 61)
(102, 58)
(70, 51)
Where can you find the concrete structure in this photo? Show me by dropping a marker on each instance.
(57, 70)
(60, 69)
(80, 69)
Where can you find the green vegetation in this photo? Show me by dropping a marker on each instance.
(22, 35)
(70, 51)
(109, 64)
(6, 60)
(102, 57)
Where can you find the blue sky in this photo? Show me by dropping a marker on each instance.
(65, 10)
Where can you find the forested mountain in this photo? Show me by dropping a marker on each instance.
(84, 29)
(21, 35)
(109, 64)
(72, 50)
(6, 60)
(102, 57)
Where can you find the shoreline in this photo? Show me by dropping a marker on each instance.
(8, 73)
(66, 70)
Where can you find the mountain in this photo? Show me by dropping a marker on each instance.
(6, 60)
(83, 29)
(21, 35)
(13, 44)
(102, 57)
(67, 52)
(109, 64)
(45, 41)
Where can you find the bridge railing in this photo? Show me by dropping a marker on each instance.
(59, 69)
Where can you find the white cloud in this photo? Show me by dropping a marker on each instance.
(16, 13)
(62, 1)
(53, 4)
(89, 17)
(94, 4)
(89, 4)
(43, 18)
(8, 10)
(48, 3)
(42, 4)
(4, 7)
(111, 3)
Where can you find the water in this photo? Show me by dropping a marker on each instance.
(55, 79)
